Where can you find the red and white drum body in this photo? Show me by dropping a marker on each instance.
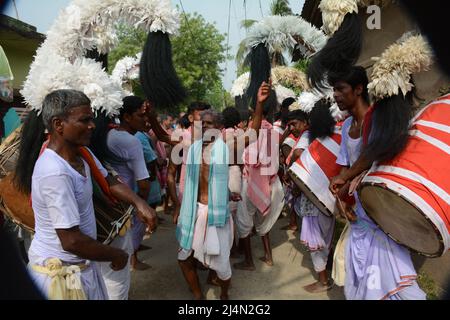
(314, 169)
(277, 127)
(290, 141)
(417, 214)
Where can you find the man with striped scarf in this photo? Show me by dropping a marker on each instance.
(204, 224)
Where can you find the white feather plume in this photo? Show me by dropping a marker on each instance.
(308, 99)
(286, 81)
(126, 69)
(278, 32)
(82, 26)
(240, 85)
(283, 93)
(392, 71)
(333, 13)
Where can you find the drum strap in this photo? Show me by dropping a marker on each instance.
(367, 125)
(96, 174)
(65, 280)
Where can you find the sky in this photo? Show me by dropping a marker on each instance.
(42, 13)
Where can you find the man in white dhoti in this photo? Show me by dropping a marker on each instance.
(132, 170)
(262, 193)
(376, 267)
(204, 229)
(64, 250)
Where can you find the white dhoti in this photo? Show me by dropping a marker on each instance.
(211, 245)
(249, 216)
(118, 282)
(235, 185)
(89, 280)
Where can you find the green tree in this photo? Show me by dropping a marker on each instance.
(302, 64)
(219, 98)
(198, 50)
(197, 54)
(280, 8)
(131, 42)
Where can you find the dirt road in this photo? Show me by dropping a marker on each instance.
(292, 270)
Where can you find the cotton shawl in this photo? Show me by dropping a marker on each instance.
(218, 211)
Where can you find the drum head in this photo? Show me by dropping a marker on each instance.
(310, 195)
(401, 220)
(15, 204)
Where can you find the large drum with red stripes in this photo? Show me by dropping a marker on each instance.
(290, 141)
(408, 197)
(314, 169)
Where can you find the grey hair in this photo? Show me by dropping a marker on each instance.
(57, 103)
(217, 116)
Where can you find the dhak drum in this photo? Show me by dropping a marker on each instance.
(16, 205)
(314, 169)
(9, 152)
(290, 141)
(111, 219)
(408, 197)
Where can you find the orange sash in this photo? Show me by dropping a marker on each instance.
(95, 171)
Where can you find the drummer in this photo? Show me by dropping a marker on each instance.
(133, 172)
(64, 249)
(297, 123)
(317, 229)
(376, 267)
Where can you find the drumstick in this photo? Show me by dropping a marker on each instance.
(341, 207)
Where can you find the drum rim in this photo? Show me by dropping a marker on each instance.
(11, 142)
(383, 186)
(7, 212)
(330, 214)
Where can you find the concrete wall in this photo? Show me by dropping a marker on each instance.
(20, 52)
(19, 61)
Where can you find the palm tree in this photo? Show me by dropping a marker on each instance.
(280, 8)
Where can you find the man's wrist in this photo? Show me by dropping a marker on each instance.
(139, 202)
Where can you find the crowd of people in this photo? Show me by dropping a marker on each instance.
(224, 177)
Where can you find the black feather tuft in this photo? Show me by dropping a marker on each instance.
(32, 137)
(259, 72)
(158, 77)
(341, 52)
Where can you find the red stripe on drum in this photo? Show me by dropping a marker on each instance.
(436, 112)
(440, 102)
(324, 158)
(424, 159)
(444, 97)
(300, 163)
(433, 132)
(424, 208)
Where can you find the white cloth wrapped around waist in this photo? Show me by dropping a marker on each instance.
(65, 279)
